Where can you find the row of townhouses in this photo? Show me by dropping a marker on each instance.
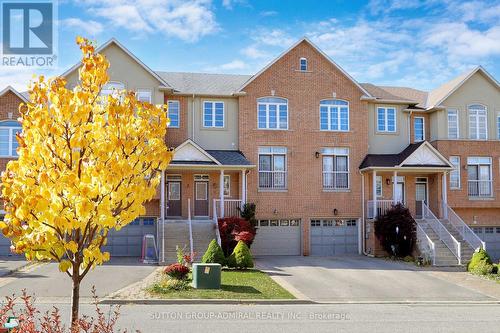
(320, 155)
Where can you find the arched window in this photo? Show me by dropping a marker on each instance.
(112, 87)
(272, 113)
(334, 115)
(8, 141)
(478, 123)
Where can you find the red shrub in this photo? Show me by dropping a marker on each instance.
(177, 271)
(233, 229)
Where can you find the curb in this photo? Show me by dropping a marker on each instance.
(205, 301)
(20, 268)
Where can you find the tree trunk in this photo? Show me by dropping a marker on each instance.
(75, 295)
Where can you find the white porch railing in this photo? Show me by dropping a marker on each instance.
(443, 233)
(426, 245)
(464, 230)
(216, 222)
(480, 188)
(231, 207)
(190, 230)
(382, 207)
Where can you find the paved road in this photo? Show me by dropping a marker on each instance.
(45, 281)
(307, 318)
(359, 279)
(10, 263)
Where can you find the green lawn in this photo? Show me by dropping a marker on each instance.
(249, 284)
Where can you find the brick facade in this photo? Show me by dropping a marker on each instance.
(304, 197)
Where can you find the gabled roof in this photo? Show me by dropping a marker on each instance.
(15, 92)
(421, 154)
(114, 41)
(440, 94)
(396, 94)
(204, 83)
(190, 153)
(305, 39)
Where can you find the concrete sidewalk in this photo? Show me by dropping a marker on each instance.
(11, 264)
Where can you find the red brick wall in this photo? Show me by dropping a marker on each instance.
(305, 197)
(427, 128)
(176, 136)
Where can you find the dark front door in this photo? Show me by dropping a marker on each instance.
(174, 206)
(201, 198)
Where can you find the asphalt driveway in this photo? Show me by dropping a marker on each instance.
(364, 279)
(46, 282)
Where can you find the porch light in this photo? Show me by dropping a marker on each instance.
(388, 181)
(317, 154)
(335, 211)
(275, 211)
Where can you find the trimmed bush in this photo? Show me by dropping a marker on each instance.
(482, 268)
(177, 271)
(478, 258)
(241, 257)
(214, 254)
(234, 229)
(397, 231)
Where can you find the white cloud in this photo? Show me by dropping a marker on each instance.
(254, 52)
(86, 28)
(188, 20)
(235, 65)
(268, 13)
(273, 37)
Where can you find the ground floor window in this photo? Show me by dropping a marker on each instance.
(480, 176)
(272, 168)
(455, 173)
(335, 168)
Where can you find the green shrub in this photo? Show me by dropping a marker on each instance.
(478, 257)
(214, 254)
(241, 257)
(482, 268)
(171, 284)
(409, 259)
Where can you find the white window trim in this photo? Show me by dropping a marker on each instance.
(300, 64)
(448, 122)
(278, 117)
(142, 90)
(178, 110)
(334, 155)
(458, 167)
(477, 121)
(386, 119)
(11, 138)
(272, 153)
(229, 188)
(423, 129)
(213, 114)
(328, 115)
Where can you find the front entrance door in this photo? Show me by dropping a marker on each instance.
(420, 196)
(201, 198)
(174, 203)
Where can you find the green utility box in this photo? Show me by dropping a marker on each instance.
(206, 276)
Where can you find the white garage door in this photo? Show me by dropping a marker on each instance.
(331, 237)
(128, 241)
(491, 236)
(277, 237)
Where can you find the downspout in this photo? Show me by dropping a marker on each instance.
(363, 226)
(193, 122)
(409, 127)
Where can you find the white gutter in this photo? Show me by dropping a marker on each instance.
(409, 127)
(193, 115)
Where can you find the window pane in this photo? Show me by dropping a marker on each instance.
(283, 116)
(208, 114)
(344, 119)
(262, 115)
(173, 113)
(391, 120)
(4, 142)
(341, 163)
(381, 119)
(323, 115)
(328, 163)
(419, 129)
(279, 163)
(452, 124)
(455, 173)
(265, 162)
(219, 114)
(15, 144)
(273, 121)
(334, 118)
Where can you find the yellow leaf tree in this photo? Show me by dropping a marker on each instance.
(87, 163)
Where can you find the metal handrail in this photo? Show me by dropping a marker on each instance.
(444, 235)
(190, 229)
(422, 237)
(464, 230)
(216, 222)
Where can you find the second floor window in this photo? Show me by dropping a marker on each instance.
(303, 64)
(455, 173)
(452, 124)
(336, 168)
(173, 113)
(386, 119)
(480, 177)
(272, 168)
(272, 113)
(419, 129)
(8, 141)
(478, 122)
(213, 114)
(334, 115)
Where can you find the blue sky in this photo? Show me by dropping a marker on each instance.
(417, 43)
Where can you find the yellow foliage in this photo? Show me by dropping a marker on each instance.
(87, 164)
